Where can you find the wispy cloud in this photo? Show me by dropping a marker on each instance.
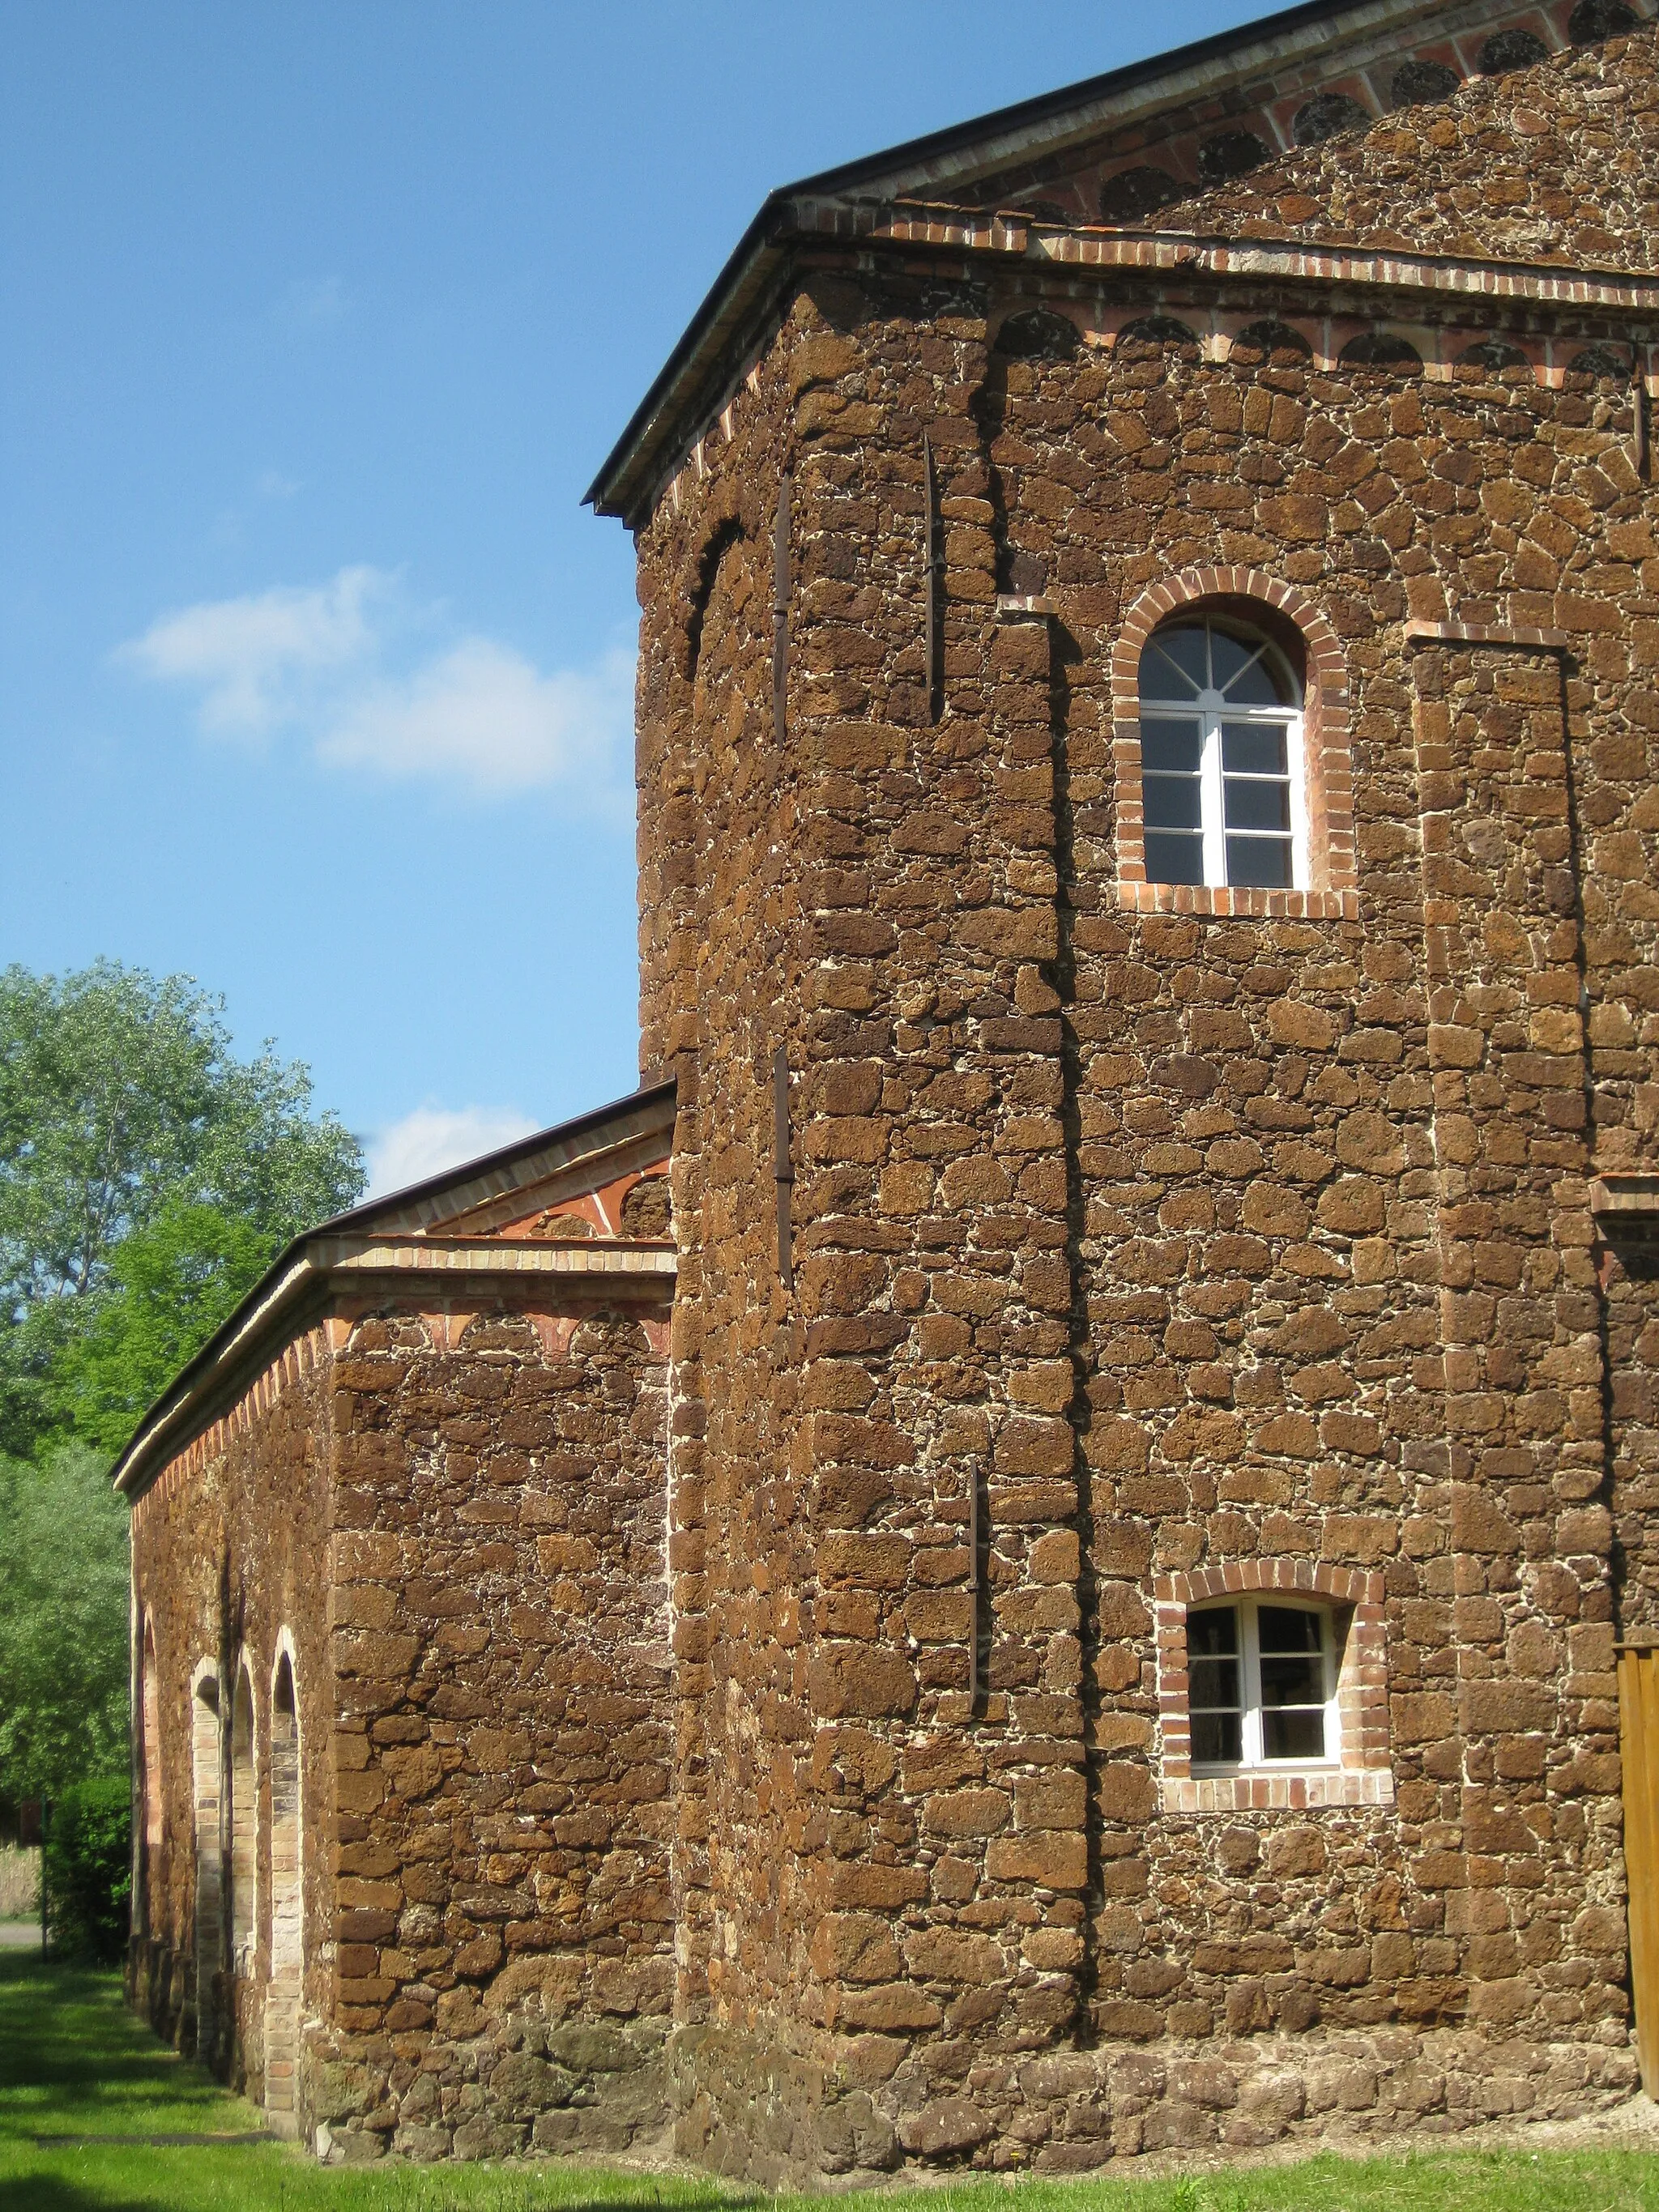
(431, 1138)
(485, 715)
(246, 655)
(478, 715)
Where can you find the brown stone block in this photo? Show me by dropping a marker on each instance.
(1055, 1800)
(1014, 1503)
(878, 1887)
(1052, 1859)
(851, 1679)
(967, 1813)
(939, 1616)
(874, 1562)
(897, 2009)
(360, 1925)
(856, 1946)
(953, 1955)
(1027, 1444)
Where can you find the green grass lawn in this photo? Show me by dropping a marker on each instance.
(74, 2062)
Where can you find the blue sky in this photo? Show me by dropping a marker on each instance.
(315, 679)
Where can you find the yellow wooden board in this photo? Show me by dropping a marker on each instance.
(1638, 1730)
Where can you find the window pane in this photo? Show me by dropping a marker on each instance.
(1217, 1740)
(1173, 860)
(1259, 686)
(1265, 860)
(1229, 657)
(1172, 656)
(1171, 802)
(1171, 745)
(1292, 1681)
(1253, 748)
(1213, 1686)
(1257, 805)
(1291, 1735)
(1213, 1634)
(1248, 670)
(1289, 1628)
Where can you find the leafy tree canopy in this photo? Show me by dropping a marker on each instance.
(172, 1284)
(127, 1121)
(63, 1622)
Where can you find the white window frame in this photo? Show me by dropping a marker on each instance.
(1212, 707)
(1250, 1671)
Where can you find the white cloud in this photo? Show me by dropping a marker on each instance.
(484, 715)
(311, 301)
(477, 716)
(247, 653)
(430, 1139)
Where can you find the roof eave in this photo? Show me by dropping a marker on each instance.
(733, 303)
(633, 471)
(291, 1269)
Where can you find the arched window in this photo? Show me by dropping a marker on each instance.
(1224, 789)
(244, 1814)
(282, 1999)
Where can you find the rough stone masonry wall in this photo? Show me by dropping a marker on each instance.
(225, 1546)
(502, 1735)
(1196, 1239)
(1548, 163)
(720, 842)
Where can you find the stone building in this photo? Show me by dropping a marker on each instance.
(1065, 1602)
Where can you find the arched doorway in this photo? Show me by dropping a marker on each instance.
(150, 1723)
(209, 1853)
(244, 1828)
(284, 1995)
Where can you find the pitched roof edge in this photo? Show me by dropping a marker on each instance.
(743, 279)
(301, 1268)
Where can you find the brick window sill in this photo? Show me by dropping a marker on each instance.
(1264, 1792)
(1238, 901)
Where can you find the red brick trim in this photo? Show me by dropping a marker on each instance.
(1333, 892)
(1363, 1776)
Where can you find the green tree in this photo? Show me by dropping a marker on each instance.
(124, 1112)
(63, 1622)
(171, 1285)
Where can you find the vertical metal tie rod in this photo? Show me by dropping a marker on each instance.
(781, 611)
(783, 1173)
(933, 582)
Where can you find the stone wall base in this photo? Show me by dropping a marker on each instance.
(754, 2107)
(783, 2106)
(520, 2086)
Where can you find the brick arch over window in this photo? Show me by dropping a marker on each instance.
(1363, 1775)
(1246, 594)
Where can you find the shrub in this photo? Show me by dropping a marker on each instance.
(89, 1868)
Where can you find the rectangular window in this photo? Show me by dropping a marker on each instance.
(1261, 1685)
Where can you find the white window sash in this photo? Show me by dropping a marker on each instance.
(1210, 783)
(1250, 1717)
